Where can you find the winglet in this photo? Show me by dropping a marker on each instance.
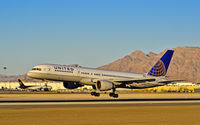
(161, 67)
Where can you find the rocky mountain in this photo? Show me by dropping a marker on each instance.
(185, 63)
(4, 78)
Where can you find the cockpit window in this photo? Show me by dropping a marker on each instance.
(38, 69)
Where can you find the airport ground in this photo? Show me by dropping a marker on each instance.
(74, 96)
(106, 115)
(146, 113)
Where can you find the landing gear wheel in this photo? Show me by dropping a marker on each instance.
(111, 94)
(115, 95)
(95, 94)
(92, 93)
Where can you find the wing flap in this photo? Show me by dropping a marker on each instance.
(135, 81)
(171, 81)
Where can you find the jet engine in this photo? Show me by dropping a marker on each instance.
(104, 85)
(71, 85)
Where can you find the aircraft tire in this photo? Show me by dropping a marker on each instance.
(97, 94)
(115, 95)
(92, 93)
(111, 94)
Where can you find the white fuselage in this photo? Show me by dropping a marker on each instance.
(83, 75)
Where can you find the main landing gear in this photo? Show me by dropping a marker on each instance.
(113, 94)
(95, 94)
(110, 94)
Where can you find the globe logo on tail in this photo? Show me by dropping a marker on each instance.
(158, 69)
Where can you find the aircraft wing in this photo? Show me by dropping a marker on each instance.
(170, 81)
(146, 82)
(135, 81)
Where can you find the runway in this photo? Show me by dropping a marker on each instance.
(96, 102)
(152, 109)
(85, 100)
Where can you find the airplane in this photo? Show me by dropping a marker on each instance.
(33, 87)
(74, 76)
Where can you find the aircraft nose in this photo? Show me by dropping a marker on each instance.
(29, 74)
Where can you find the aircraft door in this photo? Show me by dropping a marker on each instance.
(76, 72)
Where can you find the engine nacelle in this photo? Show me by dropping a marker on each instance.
(71, 85)
(104, 85)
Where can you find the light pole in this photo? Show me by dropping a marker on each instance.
(5, 68)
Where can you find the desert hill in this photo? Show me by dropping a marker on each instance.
(185, 63)
(4, 78)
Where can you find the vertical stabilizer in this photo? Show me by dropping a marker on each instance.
(21, 84)
(161, 67)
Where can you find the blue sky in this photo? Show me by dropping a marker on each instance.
(91, 32)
